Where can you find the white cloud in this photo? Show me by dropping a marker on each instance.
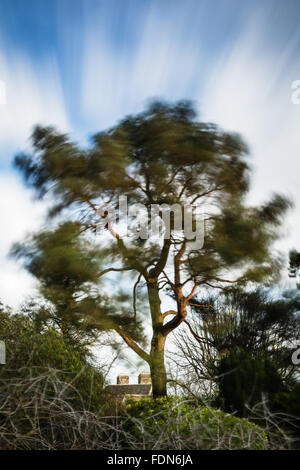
(19, 216)
(249, 91)
(33, 96)
(161, 63)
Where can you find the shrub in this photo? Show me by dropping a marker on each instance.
(289, 401)
(287, 406)
(170, 423)
(245, 379)
(33, 353)
(50, 393)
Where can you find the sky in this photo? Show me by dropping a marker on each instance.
(81, 65)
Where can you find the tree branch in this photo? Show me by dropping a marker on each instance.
(132, 344)
(169, 312)
(197, 337)
(206, 193)
(127, 268)
(192, 292)
(160, 265)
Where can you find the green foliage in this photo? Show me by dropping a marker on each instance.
(31, 353)
(289, 402)
(195, 427)
(287, 405)
(245, 381)
(64, 265)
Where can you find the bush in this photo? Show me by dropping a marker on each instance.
(50, 394)
(289, 401)
(51, 397)
(244, 380)
(33, 353)
(170, 423)
(287, 406)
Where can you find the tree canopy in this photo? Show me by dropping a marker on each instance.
(161, 156)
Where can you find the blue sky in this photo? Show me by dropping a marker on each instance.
(83, 64)
(107, 57)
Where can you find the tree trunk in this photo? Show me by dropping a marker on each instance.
(157, 352)
(157, 365)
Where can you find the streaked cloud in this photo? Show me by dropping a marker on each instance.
(33, 95)
(237, 60)
(249, 91)
(19, 215)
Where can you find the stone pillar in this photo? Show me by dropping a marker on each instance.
(123, 379)
(144, 378)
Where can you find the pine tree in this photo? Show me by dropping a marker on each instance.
(161, 156)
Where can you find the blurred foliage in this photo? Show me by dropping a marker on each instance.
(160, 156)
(67, 267)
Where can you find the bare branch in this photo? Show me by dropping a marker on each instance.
(132, 344)
(192, 292)
(127, 268)
(206, 193)
(197, 337)
(169, 312)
